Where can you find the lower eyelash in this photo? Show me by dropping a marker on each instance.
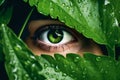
(59, 48)
(49, 48)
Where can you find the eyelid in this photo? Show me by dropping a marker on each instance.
(36, 24)
(58, 48)
(52, 48)
(49, 26)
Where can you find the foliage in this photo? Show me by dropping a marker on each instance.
(25, 66)
(95, 19)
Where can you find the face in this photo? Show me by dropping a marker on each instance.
(51, 36)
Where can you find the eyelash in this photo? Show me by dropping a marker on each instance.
(52, 48)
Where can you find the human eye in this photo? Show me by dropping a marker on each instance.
(54, 37)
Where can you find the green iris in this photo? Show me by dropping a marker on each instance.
(55, 36)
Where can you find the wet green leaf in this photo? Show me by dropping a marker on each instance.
(96, 19)
(1, 54)
(18, 59)
(5, 13)
(33, 2)
(23, 65)
(109, 12)
(25, 0)
(1, 48)
(1, 2)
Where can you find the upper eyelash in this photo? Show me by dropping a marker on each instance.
(46, 27)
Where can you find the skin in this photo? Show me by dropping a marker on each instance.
(77, 47)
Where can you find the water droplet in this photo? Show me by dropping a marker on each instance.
(57, 69)
(110, 61)
(63, 4)
(51, 9)
(104, 32)
(84, 61)
(68, 7)
(52, 65)
(83, 31)
(32, 57)
(35, 78)
(107, 65)
(45, 65)
(3, 25)
(64, 74)
(84, 71)
(83, 76)
(71, 4)
(80, 14)
(12, 62)
(104, 10)
(106, 72)
(98, 59)
(33, 65)
(27, 62)
(73, 71)
(102, 70)
(72, 11)
(112, 14)
(116, 23)
(17, 47)
(15, 77)
(79, 1)
(47, 73)
(107, 2)
(110, 33)
(72, 67)
(116, 40)
(14, 70)
(26, 75)
(76, 59)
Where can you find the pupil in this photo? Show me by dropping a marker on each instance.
(55, 36)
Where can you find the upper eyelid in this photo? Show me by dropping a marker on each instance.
(34, 25)
(50, 26)
(45, 27)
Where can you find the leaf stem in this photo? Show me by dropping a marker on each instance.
(111, 51)
(23, 27)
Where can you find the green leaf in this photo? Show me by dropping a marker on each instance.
(118, 67)
(1, 53)
(18, 59)
(25, 0)
(110, 23)
(33, 2)
(5, 13)
(1, 2)
(115, 4)
(25, 66)
(1, 48)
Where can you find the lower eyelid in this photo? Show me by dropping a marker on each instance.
(59, 48)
